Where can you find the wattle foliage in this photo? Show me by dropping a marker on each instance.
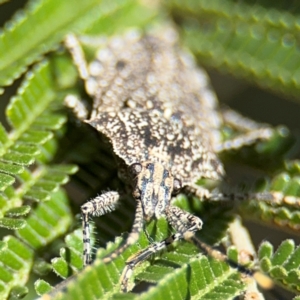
(40, 149)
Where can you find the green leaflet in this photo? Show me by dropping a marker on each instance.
(16, 262)
(42, 287)
(18, 211)
(47, 222)
(285, 214)
(252, 40)
(178, 274)
(70, 260)
(36, 118)
(51, 21)
(19, 291)
(5, 180)
(169, 269)
(100, 280)
(12, 223)
(33, 124)
(227, 41)
(44, 225)
(34, 96)
(197, 278)
(283, 265)
(28, 136)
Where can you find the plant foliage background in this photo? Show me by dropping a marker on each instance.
(41, 146)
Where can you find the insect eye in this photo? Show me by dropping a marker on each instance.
(177, 185)
(136, 168)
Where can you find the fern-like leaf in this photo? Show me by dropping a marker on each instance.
(47, 222)
(226, 34)
(254, 40)
(33, 123)
(181, 269)
(283, 214)
(194, 277)
(16, 263)
(42, 287)
(283, 265)
(33, 99)
(51, 21)
(70, 256)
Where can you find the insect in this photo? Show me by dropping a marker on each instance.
(157, 110)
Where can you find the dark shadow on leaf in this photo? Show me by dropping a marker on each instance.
(68, 260)
(141, 287)
(167, 263)
(188, 280)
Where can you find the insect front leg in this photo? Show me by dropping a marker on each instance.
(98, 206)
(183, 222)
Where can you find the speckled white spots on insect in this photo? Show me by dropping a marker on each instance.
(130, 103)
(209, 97)
(168, 113)
(164, 106)
(186, 143)
(117, 43)
(149, 104)
(95, 68)
(104, 55)
(119, 81)
(133, 35)
(103, 83)
(91, 85)
(170, 136)
(151, 78)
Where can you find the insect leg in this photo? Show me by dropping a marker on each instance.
(73, 45)
(183, 222)
(240, 122)
(245, 139)
(216, 195)
(92, 40)
(271, 197)
(252, 131)
(96, 207)
(133, 235)
(218, 255)
(77, 106)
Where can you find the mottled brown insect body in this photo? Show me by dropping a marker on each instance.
(163, 122)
